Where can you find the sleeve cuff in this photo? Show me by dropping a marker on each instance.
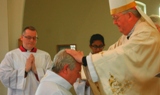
(84, 61)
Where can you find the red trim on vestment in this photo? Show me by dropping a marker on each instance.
(25, 50)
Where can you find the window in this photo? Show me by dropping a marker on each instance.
(159, 11)
(141, 6)
(66, 46)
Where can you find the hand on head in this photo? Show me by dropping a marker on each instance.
(77, 55)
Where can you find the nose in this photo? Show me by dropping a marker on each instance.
(98, 50)
(31, 39)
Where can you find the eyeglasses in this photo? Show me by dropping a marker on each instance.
(96, 47)
(29, 37)
(116, 17)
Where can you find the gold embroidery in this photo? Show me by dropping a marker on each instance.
(119, 88)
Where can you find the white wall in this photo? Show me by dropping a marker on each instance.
(3, 35)
(3, 28)
(15, 17)
(11, 17)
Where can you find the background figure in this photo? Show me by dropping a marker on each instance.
(22, 68)
(96, 43)
(64, 73)
(156, 20)
(87, 86)
(130, 65)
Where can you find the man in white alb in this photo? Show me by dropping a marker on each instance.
(22, 68)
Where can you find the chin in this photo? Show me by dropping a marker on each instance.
(120, 31)
(29, 48)
(123, 32)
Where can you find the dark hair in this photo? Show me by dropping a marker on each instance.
(95, 37)
(30, 28)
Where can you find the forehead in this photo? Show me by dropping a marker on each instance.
(30, 32)
(97, 42)
(113, 15)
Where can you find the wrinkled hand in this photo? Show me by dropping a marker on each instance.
(29, 63)
(77, 55)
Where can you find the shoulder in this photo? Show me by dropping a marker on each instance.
(11, 54)
(45, 88)
(143, 25)
(14, 51)
(49, 88)
(144, 29)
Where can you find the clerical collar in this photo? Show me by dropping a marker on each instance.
(25, 50)
(130, 33)
(128, 36)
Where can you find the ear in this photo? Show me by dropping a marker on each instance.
(130, 16)
(65, 68)
(21, 38)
